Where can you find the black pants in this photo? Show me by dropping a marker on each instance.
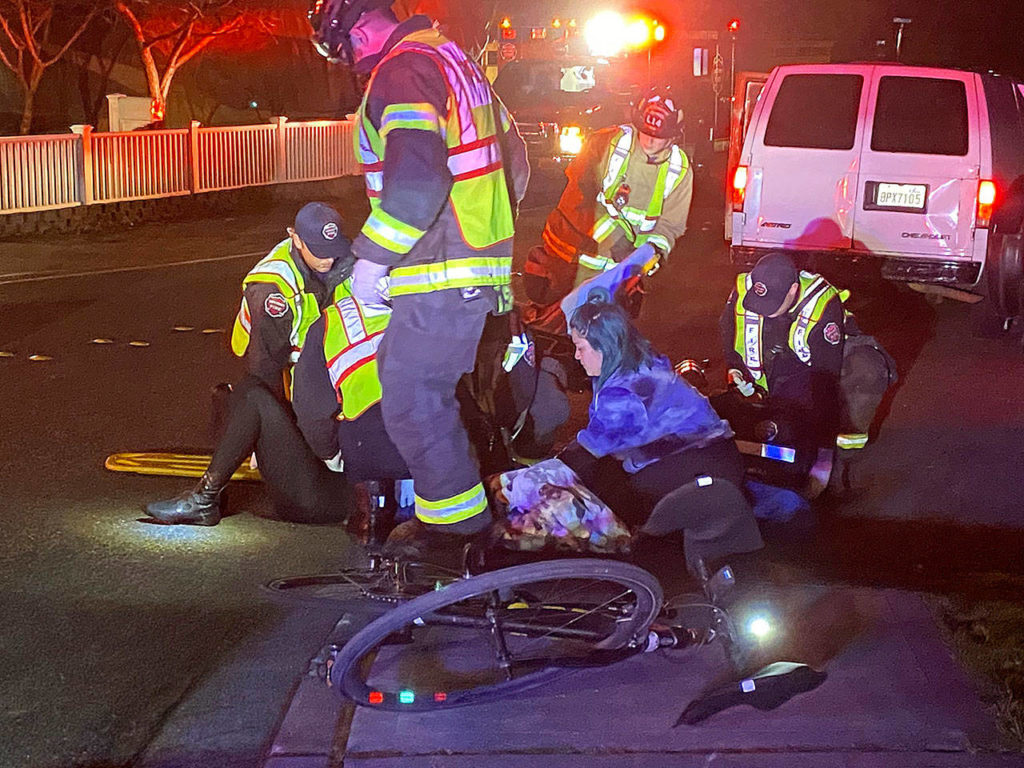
(302, 488)
(633, 496)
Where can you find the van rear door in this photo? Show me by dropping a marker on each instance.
(803, 158)
(920, 164)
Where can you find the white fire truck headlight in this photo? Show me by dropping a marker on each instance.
(570, 140)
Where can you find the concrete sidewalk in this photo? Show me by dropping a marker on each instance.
(894, 697)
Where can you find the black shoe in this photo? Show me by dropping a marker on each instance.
(200, 506)
(414, 541)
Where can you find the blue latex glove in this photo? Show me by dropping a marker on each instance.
(405, 493)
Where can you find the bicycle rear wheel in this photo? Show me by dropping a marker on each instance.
(497, 634)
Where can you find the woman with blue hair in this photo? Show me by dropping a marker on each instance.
(650, 433)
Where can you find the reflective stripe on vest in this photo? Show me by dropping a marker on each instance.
(815, 294)
(454, 509)
(352, 335)
(669, 175)
(451, 273)
(851, 441)
(479, 195)
(277, 268)
(808, 303)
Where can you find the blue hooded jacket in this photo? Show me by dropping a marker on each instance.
(642, 416)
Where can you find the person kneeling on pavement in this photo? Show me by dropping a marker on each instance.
(282, 297)
(337, 397)
(650, 433)
(788, 337)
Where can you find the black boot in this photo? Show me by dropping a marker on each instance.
(200, 506)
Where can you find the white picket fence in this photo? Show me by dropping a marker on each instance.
(39, 173)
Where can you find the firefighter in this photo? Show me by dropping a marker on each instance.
(445, 170)
(631, 186)
(281, 299)
(788, 337)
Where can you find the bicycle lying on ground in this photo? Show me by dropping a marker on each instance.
(496, 634)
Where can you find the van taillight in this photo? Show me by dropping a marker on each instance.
(986, 202)
(739, 187)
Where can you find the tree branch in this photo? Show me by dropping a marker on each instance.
(71, 40)
(208, 37)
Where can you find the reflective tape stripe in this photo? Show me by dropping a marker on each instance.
(471, 158)
(659, 241)
(417, 117)
(618, 157)
(374, 181)
(352, 319)
(851, 441)
(597, 263)
(454, 509)
(244, 318)
(453, 273)
(354, 356)
(803, 322)
(277, 268)
(388, 232)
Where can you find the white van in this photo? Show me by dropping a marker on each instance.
(920, 169)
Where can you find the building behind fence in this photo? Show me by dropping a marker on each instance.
(40, 173)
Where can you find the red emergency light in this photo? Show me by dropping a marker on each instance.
(734, 26)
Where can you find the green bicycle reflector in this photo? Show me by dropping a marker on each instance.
(406, 697)
(376, 697)
(440, 697)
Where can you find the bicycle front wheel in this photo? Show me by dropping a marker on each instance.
(498, 634)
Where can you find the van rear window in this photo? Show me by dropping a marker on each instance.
(920, 115)
(815, 111)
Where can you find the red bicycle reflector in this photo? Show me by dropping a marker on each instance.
(440, 696)
(739, 187)
(376, 697)
(986, 201)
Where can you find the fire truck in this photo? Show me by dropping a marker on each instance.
(565, 77)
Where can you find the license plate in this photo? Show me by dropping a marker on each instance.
(901, 195)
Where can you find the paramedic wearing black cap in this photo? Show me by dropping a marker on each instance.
(282, 296)
(787, 334)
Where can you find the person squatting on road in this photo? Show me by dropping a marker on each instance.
(337, 394)
(631, 185)
(650, 433)
(787, 334)
(282, 297)
(445, 170)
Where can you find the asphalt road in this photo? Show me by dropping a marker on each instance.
(124, 642)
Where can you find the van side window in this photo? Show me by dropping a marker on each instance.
(815, 111)
(920, 115)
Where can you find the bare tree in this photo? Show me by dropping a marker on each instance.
(171, 33)
(36, 34)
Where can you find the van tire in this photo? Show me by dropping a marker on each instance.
(1004, 265)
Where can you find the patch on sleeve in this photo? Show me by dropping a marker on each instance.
(276, 305)
(832, 333)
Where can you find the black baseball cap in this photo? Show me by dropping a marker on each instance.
(318, 225)
(769, 282)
